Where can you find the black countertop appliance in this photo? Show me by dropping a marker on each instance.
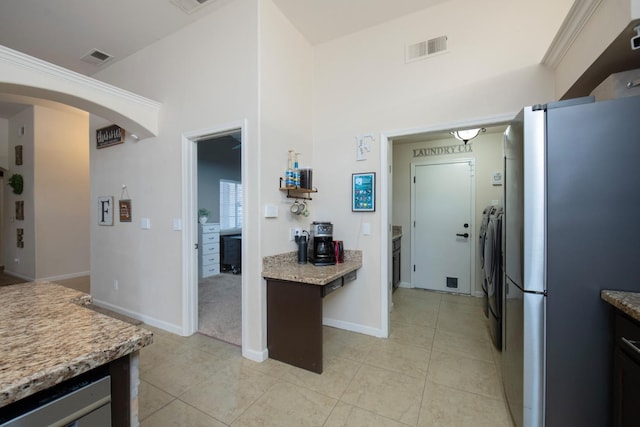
(321, 251)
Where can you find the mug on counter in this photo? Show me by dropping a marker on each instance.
(338, 247)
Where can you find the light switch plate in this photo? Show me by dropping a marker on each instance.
(145, 223)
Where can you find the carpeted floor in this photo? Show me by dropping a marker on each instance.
(219, 307)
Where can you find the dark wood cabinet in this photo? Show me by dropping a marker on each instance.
(626, 371)
(396, 262)
(294, 320)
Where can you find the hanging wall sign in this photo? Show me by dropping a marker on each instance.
(125, 210)
(111, 135)
(105, 210)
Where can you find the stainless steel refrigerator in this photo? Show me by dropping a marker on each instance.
(571, 228)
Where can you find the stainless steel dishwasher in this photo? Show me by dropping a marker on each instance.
(84, 401)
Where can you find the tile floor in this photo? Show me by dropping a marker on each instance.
(438, 368)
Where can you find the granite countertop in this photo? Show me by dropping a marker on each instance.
(627, 302)
(286, 267)
(49, 336)
(396, 232)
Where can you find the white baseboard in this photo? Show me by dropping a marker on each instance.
(65, 276)
(256, 356)
(353, 327)
(19, 275)
(169, 327)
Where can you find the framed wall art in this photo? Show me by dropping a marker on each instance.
(363, 192)
(108, 136)
(105, 210)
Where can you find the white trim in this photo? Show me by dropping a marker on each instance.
(189, 233)
(19, 275)
(354, 327)
(385, 230)
(256, 356)
(54, 71)
(24, 75)
(569, 31)
(386, 191)
(169, 327)
(65, 276)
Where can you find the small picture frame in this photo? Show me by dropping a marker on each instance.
(363, 192)
(18, 154)
(20, 210)
(125, 210)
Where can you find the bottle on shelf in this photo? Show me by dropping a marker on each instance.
(296, 172)
(289, 181)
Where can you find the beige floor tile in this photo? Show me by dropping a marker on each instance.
(269, 367)
(338, 343)
(175, 377)
(408, 334)
(465, 373)
(178, 414)
(345, 415)
(415, 314)
(286, 404)
(386, 393)
(151, 399)
(335, 377)
(228, 392)
(463, 323)
(404, 359)
(444, 407)
(470, 346)
(462, 299)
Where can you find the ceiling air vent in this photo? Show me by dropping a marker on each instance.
(191, 6)
(426, 49)
(96, 57)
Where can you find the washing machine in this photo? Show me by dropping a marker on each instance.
(482, 235)
(494, 274)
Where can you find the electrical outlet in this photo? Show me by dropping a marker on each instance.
(16, 260)
(115, 284)
(298, 232)
(292, 234)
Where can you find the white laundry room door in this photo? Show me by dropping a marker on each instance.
(442, 226)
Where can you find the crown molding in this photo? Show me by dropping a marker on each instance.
(576, 19)
(25, 75)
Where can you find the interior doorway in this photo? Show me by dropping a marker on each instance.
(220, 213)
(213, 174)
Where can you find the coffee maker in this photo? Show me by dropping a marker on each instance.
(321, 249)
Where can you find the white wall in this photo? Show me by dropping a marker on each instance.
(205, 76)
(4, 143)
(56, 195)
(486, 150)
(362, 85)
(20, 262)
(61, 193)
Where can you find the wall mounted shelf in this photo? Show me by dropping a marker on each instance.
(299, 193)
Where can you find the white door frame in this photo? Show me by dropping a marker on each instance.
(472, 221)
(190, 224)
(386, 193)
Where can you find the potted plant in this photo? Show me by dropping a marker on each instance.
(203, 215)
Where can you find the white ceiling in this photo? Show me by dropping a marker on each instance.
(63, 31)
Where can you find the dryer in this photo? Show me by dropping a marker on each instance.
(482, 237)
(493, 274)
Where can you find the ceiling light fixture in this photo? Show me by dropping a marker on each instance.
(467, 135)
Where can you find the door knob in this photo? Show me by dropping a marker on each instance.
(465, 235)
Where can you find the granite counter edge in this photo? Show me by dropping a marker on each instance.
(627, 302)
